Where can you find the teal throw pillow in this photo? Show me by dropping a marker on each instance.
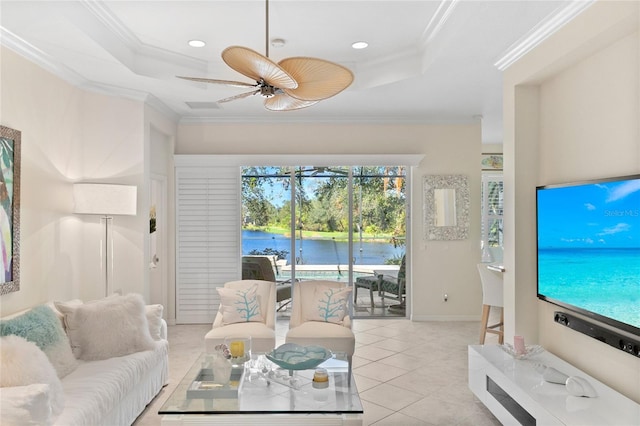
(41, 326)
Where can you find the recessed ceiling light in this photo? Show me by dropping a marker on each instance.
(277, 42)
(197, 43)
(360, 45)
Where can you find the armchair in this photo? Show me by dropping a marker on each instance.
(262, 333)
(305, 329)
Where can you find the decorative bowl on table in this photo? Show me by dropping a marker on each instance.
(291, 356)
(530, 350)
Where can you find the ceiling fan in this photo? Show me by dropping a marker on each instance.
(292, 83)
(323, 171)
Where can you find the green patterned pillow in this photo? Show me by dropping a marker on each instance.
(240, 305)
(41, 326)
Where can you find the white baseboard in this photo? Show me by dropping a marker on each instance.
(445, 318)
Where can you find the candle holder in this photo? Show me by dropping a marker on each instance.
(240, 349)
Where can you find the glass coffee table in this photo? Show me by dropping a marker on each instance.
(260, 392)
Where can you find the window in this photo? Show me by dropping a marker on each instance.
(325, 231)
(346, 222)
(492, 209)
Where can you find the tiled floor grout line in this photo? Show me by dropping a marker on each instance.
(433, 391)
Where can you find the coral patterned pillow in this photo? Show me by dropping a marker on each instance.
(329, 304)
(240, 305)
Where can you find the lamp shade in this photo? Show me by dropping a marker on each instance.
(105, 199)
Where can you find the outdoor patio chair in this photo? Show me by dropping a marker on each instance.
(319, 316)
(370, 283)
(262, 332)
(392, 286)
(262, 268)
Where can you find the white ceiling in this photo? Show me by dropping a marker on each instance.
(428, 61)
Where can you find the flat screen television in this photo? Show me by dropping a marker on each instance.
(588, 246)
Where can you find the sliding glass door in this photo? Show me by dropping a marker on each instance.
(334, 223)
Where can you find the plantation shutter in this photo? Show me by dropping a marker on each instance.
(492, 208)
(208, 243)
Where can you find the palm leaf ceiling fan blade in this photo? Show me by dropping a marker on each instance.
(284, 102)
(216, 81)
(240, 96)
(291, 84)
(317, 79)
(250, 63)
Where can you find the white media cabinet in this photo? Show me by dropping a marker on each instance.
(517, 395)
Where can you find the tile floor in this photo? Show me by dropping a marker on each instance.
(407, 373)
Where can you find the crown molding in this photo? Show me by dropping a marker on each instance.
(161, 107)
(41, 59)
(384, 120)
(37, 56)
(437, 21)
(132, 43)
(239, 160)
(541, 32)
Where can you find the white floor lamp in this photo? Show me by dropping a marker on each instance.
(106, 200)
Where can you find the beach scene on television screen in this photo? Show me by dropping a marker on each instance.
(589, 247)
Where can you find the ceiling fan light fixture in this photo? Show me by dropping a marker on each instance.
(267, 91)
(197, 43)
(360, 45)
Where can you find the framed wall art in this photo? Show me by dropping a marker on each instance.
(10, 211)
(491, 161)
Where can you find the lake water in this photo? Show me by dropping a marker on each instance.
(321, 252)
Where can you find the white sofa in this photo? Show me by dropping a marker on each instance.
(112, 391)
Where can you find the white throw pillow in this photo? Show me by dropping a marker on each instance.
(23, 363)
(154, 317)
(240, 304)
(25, 405)
(328, 304)
(59, 314)
(106, 328)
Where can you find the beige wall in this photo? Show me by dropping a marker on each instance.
(437, 267)
(160, 138)
(572, 112)
(73, 135)
(70, 135)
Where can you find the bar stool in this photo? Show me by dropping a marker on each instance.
(492, 284)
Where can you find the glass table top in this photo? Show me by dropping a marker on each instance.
(261, 387)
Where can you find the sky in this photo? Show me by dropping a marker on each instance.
(595, 215)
